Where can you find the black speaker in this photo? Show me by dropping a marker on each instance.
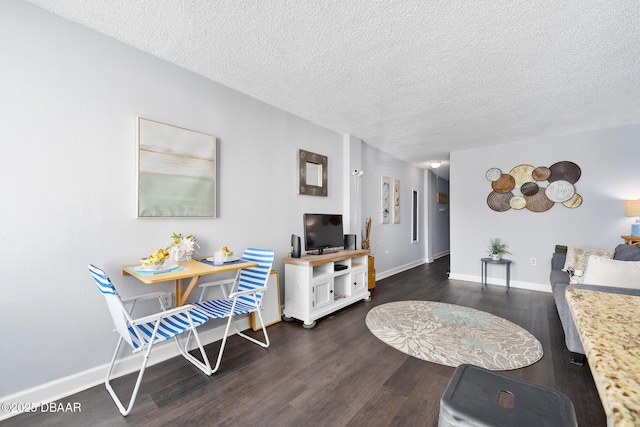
(295, 246)
(349, 242)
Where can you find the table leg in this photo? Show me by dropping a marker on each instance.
(483, 273)
(192, 285)
(183, 296)
(178, 289)
(508, 275)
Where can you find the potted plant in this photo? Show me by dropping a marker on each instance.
(496, 248)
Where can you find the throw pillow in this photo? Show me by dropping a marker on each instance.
(610, 272)
(627, 253)
(579, 257)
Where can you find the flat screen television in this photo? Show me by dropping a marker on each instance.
(322, 233)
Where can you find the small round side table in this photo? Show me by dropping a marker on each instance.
(485, 261)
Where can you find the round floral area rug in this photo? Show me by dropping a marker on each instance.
(452, 335)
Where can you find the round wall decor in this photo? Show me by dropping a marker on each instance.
(535, 195)
(529, 188)
(499, 202)
(522, 174)
(574, 201)
(539, 202)
(565, 171)
(560, 191)
(517, 202)
(493, 174)
(503, 184)
(541, 173)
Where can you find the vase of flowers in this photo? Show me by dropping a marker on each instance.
(497, 248)
(182, 248)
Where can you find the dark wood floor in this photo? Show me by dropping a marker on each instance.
(337, 374)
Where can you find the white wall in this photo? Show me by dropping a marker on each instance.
(69, 102)
(391, 243)
(609, 162)
(70, 98)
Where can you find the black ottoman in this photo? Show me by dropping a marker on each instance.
(479, 397)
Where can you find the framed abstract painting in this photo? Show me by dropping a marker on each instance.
(176, 171)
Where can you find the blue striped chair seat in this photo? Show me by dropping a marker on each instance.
(220, 308)
(169, 327)
(249, 285)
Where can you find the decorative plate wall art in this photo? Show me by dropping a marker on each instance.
(540, 188)
(504, 184)
(541, 173)
(493, 174)
(517, 202)
(564, 171)
(538, 202)
(522, 174)
(499, 202)
(529, 188)
(560, 191)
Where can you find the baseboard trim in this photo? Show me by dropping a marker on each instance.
(75, 383)
(393, 271)
(540, 287)
(437, 256)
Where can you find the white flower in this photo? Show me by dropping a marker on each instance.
(183, 247)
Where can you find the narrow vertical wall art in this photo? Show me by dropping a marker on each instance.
(396, 201)
(385, 200)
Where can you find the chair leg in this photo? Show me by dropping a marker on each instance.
(264, 344)
(231, 319)
(224, 341)
(203, 366)
(125, 411)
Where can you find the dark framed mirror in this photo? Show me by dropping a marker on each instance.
(312, 173)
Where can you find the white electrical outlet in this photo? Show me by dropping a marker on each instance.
(533, 261)
(167, 300)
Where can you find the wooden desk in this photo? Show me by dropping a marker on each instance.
(194, 270)
(631, 240)
(608, 327)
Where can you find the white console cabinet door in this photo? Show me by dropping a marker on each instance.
(359, 278)
(321, 293)
(314, 288)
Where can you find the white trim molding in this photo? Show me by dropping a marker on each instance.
(501, 281)
(72, 384)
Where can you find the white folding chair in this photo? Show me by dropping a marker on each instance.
(142, 333)
(245, 296)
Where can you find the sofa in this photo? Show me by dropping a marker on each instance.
(560, 282)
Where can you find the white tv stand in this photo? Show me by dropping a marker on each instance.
(314, 288)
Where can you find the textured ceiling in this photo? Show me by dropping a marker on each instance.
(416, 79)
